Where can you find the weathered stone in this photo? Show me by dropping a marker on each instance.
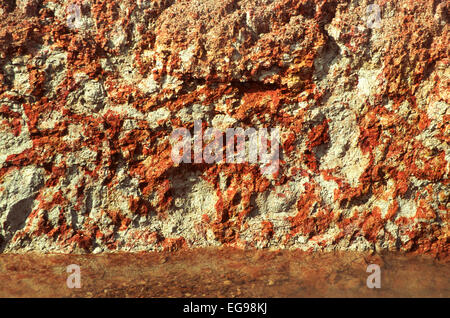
(91, 92)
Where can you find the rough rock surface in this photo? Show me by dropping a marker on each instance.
(91, 90)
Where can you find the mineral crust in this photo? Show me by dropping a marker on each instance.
(91, 90)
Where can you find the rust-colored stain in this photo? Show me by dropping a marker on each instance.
(125, 193)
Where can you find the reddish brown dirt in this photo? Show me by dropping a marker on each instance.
(223, 273)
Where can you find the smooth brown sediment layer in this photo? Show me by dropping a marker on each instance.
(224, 272)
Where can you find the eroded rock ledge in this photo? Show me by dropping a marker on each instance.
(91, 91)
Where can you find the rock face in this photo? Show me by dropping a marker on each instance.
(91, 92)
